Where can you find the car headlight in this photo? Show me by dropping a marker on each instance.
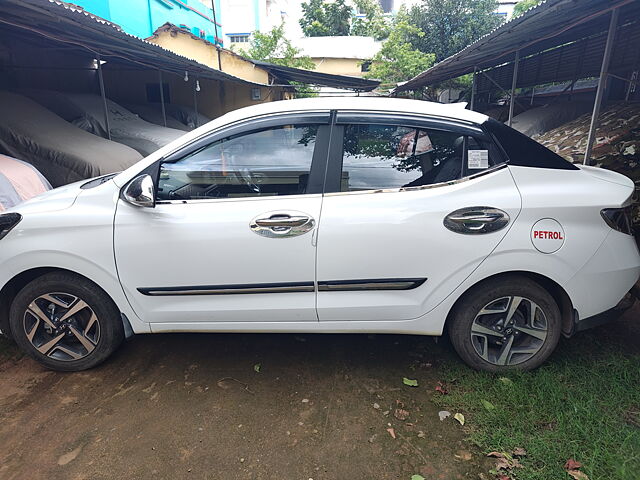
(618, 218)
(7, 222)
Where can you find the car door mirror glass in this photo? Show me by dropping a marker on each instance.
(140, 192)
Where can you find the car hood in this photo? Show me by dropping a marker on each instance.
(607, 175)
(54, 200)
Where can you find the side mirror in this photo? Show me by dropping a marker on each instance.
(140, 192)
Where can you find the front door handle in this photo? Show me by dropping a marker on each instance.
(476, 220)
(281, 221)
(282, 224)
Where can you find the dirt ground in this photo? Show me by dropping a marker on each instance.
(193, 406)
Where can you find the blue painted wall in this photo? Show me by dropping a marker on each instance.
(142, 17)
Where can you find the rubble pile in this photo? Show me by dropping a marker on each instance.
(617, 144)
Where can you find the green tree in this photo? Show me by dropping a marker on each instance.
(451, 25)
(374, 24)
(397, 60)
(523, 6)
(274, 47)
(320, 19)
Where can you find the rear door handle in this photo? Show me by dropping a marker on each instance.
(476, 220)
(282, 224)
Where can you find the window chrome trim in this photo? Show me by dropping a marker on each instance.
(495, 168)
(236, 199)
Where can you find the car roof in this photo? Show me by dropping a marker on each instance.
(455, 111)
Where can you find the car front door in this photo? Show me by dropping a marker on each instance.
(232, 235)
(384, 251)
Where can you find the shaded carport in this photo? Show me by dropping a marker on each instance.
(556, 41)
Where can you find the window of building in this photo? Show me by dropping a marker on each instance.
(239, 38)
(395, 156)
(365, 66)
(274, 161)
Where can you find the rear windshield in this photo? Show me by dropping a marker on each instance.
(523, 151)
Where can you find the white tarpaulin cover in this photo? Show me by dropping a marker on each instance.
(87, 112)
(62, 152)
(19, 182)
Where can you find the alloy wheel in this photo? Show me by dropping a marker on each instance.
(509, 330)
(61, 326)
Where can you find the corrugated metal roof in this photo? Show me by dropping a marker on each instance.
(318, 78)
(70, 24)
(548, 25)
(289, 73)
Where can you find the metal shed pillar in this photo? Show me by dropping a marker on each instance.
(602, 83)
(514, 80)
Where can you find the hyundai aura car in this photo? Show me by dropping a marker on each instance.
(325, 215)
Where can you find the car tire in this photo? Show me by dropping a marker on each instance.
(505, 324)
(65, 322)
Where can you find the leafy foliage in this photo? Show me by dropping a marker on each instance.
(398, 60)
(274, 47)
(320, 19)
(451, 25)
(374, 24)
(523, 6)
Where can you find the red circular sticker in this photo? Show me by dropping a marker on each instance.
(547, 235)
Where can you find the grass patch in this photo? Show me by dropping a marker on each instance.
(583, 404)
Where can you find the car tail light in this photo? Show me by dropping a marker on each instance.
(7, 222)
(618, 218)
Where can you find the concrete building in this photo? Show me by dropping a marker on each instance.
(142, 17)
(339, 55)
(247, 16)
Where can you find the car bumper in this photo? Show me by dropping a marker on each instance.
(605, 279)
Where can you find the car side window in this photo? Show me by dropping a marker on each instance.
(395, 156)
(272, 161)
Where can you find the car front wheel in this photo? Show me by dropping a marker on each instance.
(65, 322)
(508, 323)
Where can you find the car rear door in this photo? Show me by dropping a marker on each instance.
(232, 236)
(393, 182)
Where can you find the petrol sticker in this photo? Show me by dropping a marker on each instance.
(547, 235)
(478, 159)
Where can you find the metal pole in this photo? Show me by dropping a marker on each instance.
(533, 93)
(602, 82)
(474, 89)
(104, 97)
(215, 22)
(195, 100)
(164, 112)
(514, 79)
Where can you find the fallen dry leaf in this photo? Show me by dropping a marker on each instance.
(401, 414)
(573, 470)
(392, 432)
(410, 382)
(441, 389)
(463, 455)
(505, 461)
(519, 452)
(443, 414)
(572, 464)
(459, 417)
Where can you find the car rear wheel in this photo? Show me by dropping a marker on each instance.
(509, 323)
(65, 322)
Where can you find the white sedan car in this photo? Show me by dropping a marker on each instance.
(325, 215)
